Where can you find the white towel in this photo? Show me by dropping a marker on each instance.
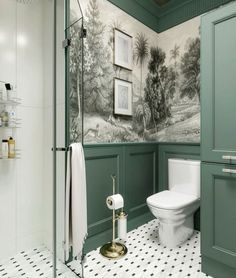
(76, 202)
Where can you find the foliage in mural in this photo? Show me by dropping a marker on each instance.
(160, 86)
(166, 91)
(141, 49)
(75, 81)
(190, 68)
(98, 72)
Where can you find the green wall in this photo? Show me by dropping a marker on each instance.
(141, 170)
(162, 18)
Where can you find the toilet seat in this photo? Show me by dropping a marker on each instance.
(170, 200)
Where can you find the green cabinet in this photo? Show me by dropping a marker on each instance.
(218, 206)
(218, 142)
(218, 85)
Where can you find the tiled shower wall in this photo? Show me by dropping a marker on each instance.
(26, 184)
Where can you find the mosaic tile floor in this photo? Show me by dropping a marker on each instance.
(146, 258)
(33, 264)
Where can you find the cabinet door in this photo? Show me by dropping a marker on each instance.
(218, 213)
(218, 85)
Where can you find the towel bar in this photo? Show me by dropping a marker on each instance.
(62, 149)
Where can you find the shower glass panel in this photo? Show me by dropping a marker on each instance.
(69, 119)
(74, 72)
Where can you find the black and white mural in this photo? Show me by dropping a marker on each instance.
(165, 79)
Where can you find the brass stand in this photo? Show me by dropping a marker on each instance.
(113, 250)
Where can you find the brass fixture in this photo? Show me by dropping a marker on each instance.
(114, 250)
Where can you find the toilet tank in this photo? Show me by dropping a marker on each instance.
(184, 176)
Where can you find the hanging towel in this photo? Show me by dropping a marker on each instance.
(76, 202)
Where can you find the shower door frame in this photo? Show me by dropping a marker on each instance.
(55, 148)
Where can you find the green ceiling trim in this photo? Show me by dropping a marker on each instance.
(137, 11)
(173, 13)
(186, 12)
(150, 6)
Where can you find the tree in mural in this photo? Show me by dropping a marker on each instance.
(160, 86)
(98, 68)
(174, 55)
(141, 54)
(75, 81)
(190, 68)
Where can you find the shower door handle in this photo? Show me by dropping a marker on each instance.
(229, 171)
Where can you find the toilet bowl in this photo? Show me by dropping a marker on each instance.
(174, 208)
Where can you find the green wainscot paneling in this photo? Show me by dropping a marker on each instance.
(135, 168)
(171, 150)
(101, 163)
(140, 177)
(218, 83)
(141, 170)
(218, 219)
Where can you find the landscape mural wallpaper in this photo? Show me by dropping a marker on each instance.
(165, 80)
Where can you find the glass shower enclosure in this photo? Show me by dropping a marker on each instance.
(41, 104)
(68, 122)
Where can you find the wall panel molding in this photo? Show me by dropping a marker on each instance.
(141, 170)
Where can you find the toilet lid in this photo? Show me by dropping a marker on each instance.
(170, 200)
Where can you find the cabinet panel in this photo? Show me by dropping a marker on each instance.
(218, 83)
(218, 217)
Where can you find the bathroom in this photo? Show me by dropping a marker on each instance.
(137, 84)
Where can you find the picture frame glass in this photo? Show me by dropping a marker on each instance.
(122, 97)
(123, 50)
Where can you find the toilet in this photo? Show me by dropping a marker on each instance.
(175, 207)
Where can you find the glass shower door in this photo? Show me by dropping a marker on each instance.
(75, 34)
(68, 104)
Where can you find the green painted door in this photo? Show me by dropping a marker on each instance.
(218, 213)
(218, 85)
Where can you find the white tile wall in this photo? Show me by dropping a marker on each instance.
(23, 192)
(8, 41)
(7, 168)
(48, 88)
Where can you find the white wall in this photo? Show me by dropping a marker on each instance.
(30, 136)
(21, 182)
(48, 120)
(7, 169)
(48, 124)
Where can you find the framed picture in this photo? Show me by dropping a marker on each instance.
(122, 97)
(123, 50)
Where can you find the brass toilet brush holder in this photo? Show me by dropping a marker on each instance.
(114, 250)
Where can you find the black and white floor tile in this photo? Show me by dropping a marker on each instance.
(33, 264)
(145, 258)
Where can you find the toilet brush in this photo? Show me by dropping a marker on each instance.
(113, 249)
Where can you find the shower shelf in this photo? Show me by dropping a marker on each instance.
(10, 127)
(18, 156)
(13, 124)
(12, 102)
(15, 158)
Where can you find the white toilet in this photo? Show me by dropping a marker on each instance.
(175, 207)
